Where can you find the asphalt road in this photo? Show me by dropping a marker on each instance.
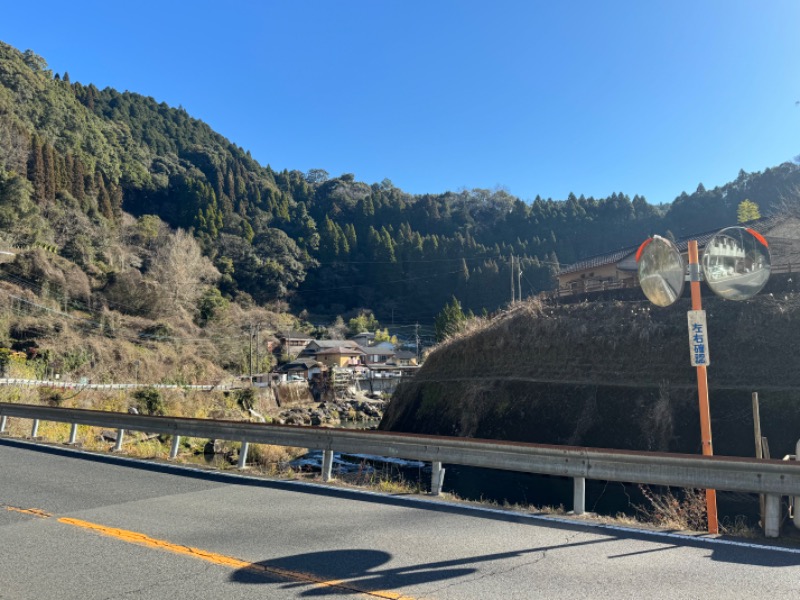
(99, 527)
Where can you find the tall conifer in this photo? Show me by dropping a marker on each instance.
(49, 161)
(36, 170)
(78, 183)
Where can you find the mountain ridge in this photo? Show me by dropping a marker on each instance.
(109, 180)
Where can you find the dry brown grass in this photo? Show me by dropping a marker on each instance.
(684, 511)
(379, 480)
(176, 402)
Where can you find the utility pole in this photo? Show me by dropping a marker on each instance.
(258, 357)
(416, 335)
(519, 278)
(258, 366)
(511, 270)
(251, 354)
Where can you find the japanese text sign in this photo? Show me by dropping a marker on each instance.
(698, 339)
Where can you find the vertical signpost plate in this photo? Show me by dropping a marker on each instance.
(698, 338)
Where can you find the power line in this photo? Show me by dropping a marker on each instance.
(361, 285)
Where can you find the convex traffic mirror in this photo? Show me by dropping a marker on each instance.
(661, 271)
(736, 263)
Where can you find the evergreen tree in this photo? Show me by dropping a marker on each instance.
(450, 321)
(350, 234)
(103, 197)
(49, 163)
(78, 184)
(36, 171)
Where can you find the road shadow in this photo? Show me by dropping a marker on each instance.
(347, 571)
(355, 571)
(344, 572)
(338, 572)
(754, 555)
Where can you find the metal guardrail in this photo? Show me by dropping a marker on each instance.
(71, 385)
(775, 478)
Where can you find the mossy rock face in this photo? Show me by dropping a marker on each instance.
(613, 375)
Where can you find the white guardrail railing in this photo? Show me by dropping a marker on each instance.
(774, 478)
(72, 385)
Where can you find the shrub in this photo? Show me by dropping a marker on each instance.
(5, 359)
(157, 332)
(245, 398)
(149, 401)
(210, 304)
(50, 396)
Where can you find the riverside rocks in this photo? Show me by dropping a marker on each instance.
(333, 413)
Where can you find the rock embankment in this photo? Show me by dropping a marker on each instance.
(295, 404)
(335, 413)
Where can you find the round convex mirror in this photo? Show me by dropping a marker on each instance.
(661, 271)
(736, 263)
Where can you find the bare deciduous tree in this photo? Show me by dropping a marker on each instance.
(14, 147)
(182, 271)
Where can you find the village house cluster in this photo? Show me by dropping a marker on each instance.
(358, 359)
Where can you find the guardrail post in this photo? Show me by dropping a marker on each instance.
(120, 436)
(772, 516)
(73, 434)
(173, 451)
(579, 495)
(327, 464)
(437, 478)
(3, 423)
(35, 429)
(243, 455)
(795, 506)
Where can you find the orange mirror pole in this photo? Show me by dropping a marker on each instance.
(702, 389)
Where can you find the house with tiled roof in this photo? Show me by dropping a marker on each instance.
(306, 368)
(365, 338)
(379, 353)
(618, 269)
(341, 356)
(603, 271)
(404, 358)
(316, 346)
(292, 343)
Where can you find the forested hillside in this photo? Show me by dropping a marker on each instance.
(103, 178)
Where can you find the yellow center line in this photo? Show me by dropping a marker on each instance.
(30, 511)
(220, 559)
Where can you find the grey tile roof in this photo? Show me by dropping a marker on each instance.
(335, 343)
(599, 260)
(300, 363)
(348, 350)
(761, 226)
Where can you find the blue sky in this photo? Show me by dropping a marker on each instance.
(642, 97)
